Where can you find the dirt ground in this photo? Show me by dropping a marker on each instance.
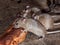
(8, 11)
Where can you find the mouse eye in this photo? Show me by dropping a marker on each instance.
(40, 37)
(16, 23)
(19, 1)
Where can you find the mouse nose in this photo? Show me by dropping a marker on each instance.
(46, 10)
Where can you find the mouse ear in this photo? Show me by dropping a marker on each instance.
(24, 20)
(15, 20)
